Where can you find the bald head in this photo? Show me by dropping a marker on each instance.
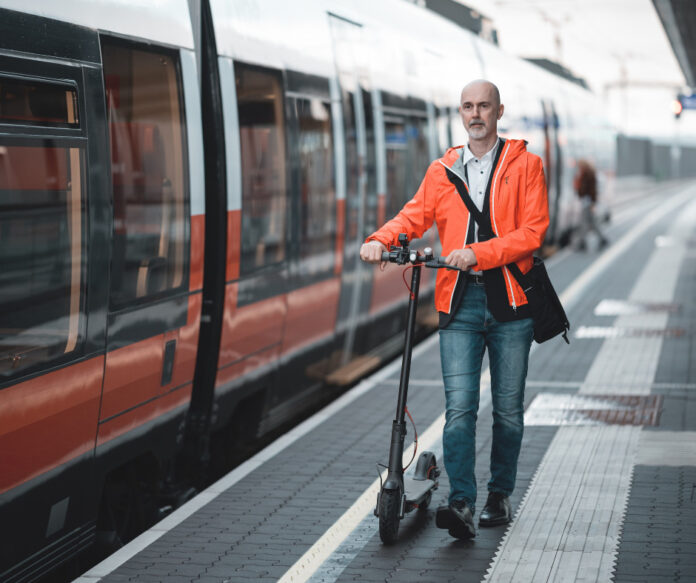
(481, 85)
(480, 110)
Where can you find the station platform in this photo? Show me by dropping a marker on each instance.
(606, 487)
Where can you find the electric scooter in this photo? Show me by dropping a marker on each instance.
(399, 494)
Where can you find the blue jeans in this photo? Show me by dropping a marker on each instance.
(462, 343)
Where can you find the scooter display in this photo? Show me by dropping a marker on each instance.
(400, 494)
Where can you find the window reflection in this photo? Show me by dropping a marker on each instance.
(42, 253)
(396, 143)
(147, 171)
(262, 136)
(317, 195)
(407, 159)
(370, 215)
(37, 103)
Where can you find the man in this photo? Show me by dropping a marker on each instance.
(482, 306)
(585, 184)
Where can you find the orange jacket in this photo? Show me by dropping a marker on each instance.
(519, 217)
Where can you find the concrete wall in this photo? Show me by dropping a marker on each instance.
(640, 157)
(661, 162)
(687, 162)
(633, 156)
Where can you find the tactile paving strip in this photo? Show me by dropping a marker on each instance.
(578, 409)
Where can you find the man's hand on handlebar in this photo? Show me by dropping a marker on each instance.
(371, 252)
(462, 258)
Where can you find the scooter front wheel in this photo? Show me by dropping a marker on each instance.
(389, 515)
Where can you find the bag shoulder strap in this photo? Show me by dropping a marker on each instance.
(480, 218)
(464, 195)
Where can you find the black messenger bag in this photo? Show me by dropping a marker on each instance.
(548, 314)
(547, 311)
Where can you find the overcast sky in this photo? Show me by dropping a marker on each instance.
(606, 42)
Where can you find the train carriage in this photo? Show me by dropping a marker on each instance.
(184, 187)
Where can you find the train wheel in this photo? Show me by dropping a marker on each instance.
(128, 506)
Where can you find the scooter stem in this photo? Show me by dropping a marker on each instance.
(396, 450)
(408, 344)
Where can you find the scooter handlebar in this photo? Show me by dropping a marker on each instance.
(397, 256)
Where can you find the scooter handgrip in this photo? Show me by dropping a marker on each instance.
(385, 256)
(439, 262)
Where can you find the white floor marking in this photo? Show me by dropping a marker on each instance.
(320, 551)
(570, 520)
(112, 562)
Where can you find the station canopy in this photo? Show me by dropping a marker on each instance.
(679, 21)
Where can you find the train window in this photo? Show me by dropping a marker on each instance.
(143, 88)
(370, 219)
(407, 159)
(42, 253)
(262, 137)
(350, 129)
(396, 144)
(417, 149)
(317, 193)
(444, 129)
(37, 103)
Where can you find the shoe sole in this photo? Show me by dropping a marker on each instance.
(496, 522)
(445, 519)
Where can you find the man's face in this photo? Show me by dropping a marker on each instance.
(480, 111)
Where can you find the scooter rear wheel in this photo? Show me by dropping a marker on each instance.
(389, 510)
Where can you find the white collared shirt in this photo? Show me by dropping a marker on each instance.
(478, 172)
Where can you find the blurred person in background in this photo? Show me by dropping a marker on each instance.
(585, 184)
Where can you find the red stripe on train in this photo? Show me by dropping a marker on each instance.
(197, 250)
(234, 249)
(250, 329)
(48, 420)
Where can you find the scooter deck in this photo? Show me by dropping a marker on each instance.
(417, 490)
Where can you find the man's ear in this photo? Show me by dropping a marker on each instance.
(501, 109)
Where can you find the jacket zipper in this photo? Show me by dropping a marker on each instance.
(512, 291)
(467, 230)
(505, 269)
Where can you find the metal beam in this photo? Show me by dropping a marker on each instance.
(665, 11)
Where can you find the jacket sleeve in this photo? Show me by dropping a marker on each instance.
(529, 235)
(415, 218)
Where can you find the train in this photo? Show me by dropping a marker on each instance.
(184, 187)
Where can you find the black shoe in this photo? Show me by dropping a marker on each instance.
(457, 519)
(496, 511)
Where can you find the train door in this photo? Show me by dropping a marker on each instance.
(53, 250)
(257, 232)
(153, 312)
(360, 202)
(314, 283)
